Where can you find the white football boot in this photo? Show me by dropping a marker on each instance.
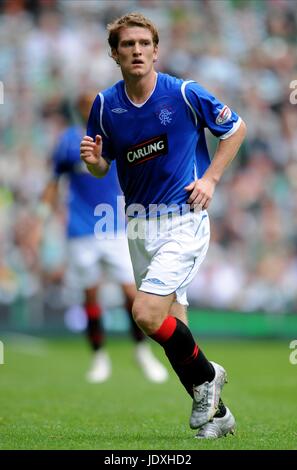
(206, 398)
(218, 427)
(150, 365)
(100, 369)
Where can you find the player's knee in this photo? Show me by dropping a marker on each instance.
(146, 318)
(141, 315)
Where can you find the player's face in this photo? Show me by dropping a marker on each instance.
(136, 52)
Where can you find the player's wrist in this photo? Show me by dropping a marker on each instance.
(212, 178)
(93, 167)
(98, 169)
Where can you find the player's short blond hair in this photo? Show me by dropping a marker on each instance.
(126, 21)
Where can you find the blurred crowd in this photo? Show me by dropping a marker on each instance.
(243, 51)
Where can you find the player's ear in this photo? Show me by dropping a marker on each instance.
(115, 55)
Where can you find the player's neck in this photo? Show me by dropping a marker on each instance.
(139, 89)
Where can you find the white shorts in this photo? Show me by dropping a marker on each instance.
(89, 259)
(167, 263)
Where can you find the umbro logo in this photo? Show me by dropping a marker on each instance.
(154, 280)
(119, 110)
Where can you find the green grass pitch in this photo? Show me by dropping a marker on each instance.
(46, 404)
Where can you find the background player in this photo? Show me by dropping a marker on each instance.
(88, 258)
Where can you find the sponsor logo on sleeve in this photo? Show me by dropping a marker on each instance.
(224, 116)
(147, 150)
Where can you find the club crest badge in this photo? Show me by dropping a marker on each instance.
(165, 115)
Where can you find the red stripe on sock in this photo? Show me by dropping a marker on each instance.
(166, 330)
(93, 311)
(96, 338)
(192, 357)
(196, 351)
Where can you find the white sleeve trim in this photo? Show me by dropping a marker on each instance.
(195, 172)
(183, 91)
(101, 113)
(232, 131)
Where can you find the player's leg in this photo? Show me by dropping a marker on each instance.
(95, 331)
(118, 263)
(167, 264)
(100, 369)
(84, 274)
(152, 368)
(129, 291)
(180, 311)
(202, 379)
(116, 257)
(151, 312)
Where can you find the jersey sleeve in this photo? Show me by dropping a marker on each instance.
(96, 125)
(209, 112)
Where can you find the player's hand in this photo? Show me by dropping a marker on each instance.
(201, 191)
(90, 151)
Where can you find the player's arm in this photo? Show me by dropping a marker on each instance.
(223, 123)
(96, 146)
(48, 200)
(50, 193)
(203, 189)
(90, 153)
(42, 213)
(226, 151)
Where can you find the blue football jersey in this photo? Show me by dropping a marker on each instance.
(159, 146)
(85, 191)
